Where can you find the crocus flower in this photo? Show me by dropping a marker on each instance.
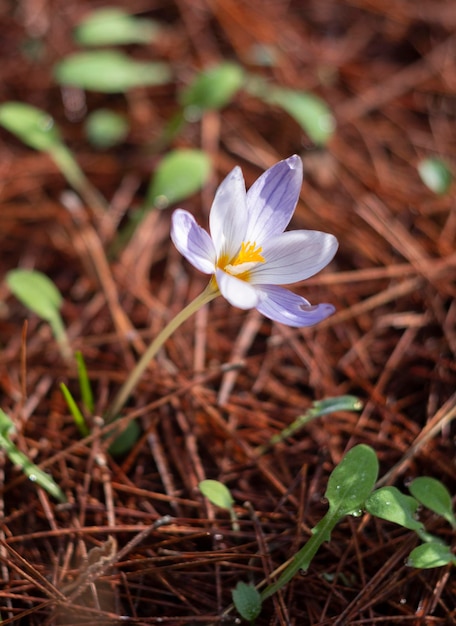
(249, 253)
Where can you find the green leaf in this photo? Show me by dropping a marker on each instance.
(247, 601)
(430, 555)
(217, 493)
(318, 409)
(104, 128)
(390, 504)
(434, 496)
(213, 88)
(32, 126)
(179, 174)
(78, 417)
(6, 424)
(311, 112)
(34, 473)
(435, 174)
(352, 481)
(84, 383)
(109, 71)
(126, 440)
(36, 291)
(112, 26)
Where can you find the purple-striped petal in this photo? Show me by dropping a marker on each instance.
(192, 241)
(228, 217)
(238, 292)
(272, 198)
(286, 307)
(293, 256)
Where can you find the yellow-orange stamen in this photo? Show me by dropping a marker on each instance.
(247, 257)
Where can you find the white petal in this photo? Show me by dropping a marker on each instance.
(283, 306)
(272, 199)
(238, 292)
(228, 217)
(294, 256)
(192, 241)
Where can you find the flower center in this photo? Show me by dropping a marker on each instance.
(248, 256)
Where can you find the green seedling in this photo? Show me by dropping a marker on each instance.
(349, 485)
(318, 409)
(34, 473)
(309, 111)
(78, 417)
(429, 555)
(217, 493)
(37, 129)
(39, 294)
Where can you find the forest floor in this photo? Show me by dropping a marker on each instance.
(136, 542)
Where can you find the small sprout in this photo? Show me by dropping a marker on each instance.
(32, 471)
(111, 26)
(105, 129)
(247, 601)
(435, 174)
(349, 485)
(37, 129)
(217, 493)
(75, 411)
(428, 555)
(318, 409)
(109, 71)
(434, 496)
(39, 294)
(213, 88)
(84, 383)
(179, 174)
(309, 111)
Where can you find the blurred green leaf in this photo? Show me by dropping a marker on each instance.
(390, 504)
(36, 291)
(352, 481)
(217, 493)
(247, 601)
(109, 71)
(213, 88)
(435, 174)
(112, 26)
(105, 128)
(78, 417)
(34, 473)
(429, 555)
(318, 409)
(124, 442)
(33, 127)
(39, 294)
(179, 174)
(84, 383)
(435, 496)
(311, 112)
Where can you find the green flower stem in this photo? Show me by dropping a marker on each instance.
(206, 296)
